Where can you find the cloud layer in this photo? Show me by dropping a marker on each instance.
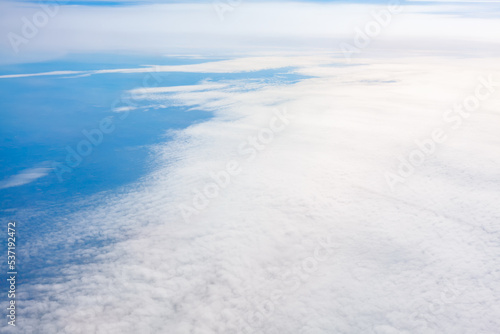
(36, 32)
(307, 237)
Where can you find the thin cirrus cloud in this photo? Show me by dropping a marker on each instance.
(238, 65)
(24, 177)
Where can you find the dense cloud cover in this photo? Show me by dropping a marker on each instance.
(282, 213)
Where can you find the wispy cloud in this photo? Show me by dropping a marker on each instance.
(238, 65)
(24, 177)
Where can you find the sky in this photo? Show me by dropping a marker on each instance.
(298, 167)
(222, 28)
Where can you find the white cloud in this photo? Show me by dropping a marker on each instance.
(24, 177)
(124, 109)
(423, 260)
(196, 28)
(40, 74)
(247, 64)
